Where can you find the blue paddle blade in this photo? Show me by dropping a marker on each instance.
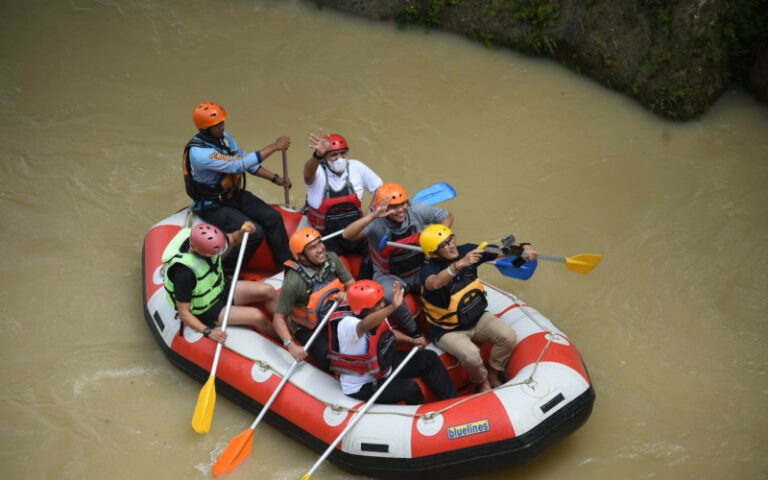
(524, 272)
(435, 194)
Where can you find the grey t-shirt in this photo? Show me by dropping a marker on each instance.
(419, 215)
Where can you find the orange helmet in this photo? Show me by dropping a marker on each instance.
(363, 295)
(393, 191)
(208, 114)
(301, 238)
(336, 142)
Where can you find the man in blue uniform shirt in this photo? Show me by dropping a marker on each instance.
(214, 176)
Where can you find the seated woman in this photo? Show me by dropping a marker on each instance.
(454, 304)
(367, 353)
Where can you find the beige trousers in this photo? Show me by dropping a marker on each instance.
(462, 344)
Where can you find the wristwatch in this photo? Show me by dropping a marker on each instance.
(206, 331)
(287, 342)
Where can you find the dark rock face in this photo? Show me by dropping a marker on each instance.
(674, 56)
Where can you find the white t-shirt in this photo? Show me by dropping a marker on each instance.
(351, 344)
(360, 176)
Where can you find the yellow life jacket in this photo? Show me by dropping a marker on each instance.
(465, 308)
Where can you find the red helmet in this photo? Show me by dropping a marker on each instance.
(363, 295)
(208, 114)
(301, 238)
(336, 142)
(394, 191)
(207, 240)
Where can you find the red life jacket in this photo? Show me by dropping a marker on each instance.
(308, 315)
(399, 261)
(338, 208)
(376, 361)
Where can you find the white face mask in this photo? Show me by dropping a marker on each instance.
(338, 166)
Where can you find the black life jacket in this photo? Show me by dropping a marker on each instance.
(228, 186)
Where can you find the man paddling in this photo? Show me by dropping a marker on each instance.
(214, 176)
(195, 283)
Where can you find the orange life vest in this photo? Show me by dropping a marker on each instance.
(309, 315)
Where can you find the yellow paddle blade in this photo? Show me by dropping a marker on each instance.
(306, 476)
(201, 420)
(238, 450)
(482, 246)
(582, 263)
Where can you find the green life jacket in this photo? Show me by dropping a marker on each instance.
(210, 278)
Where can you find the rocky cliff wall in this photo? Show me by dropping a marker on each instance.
(675, 57)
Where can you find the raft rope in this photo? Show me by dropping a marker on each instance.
(431, 415)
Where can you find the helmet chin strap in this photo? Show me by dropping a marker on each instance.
(309, 262)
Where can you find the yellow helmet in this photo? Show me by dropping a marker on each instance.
(432, 236)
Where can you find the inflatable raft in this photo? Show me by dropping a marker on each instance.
(548, 394)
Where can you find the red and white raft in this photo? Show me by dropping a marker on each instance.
(548, 395)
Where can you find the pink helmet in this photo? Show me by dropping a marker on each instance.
(207, 240)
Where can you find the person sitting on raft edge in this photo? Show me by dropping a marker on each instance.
(214, 168)
(454, 304)
(196, 286)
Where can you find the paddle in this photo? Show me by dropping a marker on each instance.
(285, 175)
(240, 447)
(359, 415)
(505, 265)
(433, 194)
(206, 401)
(582, 263)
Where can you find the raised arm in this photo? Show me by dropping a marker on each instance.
(356, 229)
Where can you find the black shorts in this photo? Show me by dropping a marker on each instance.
(210, 317)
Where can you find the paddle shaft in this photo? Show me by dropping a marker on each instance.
(296, 363)
(406, 246)
(436, 193)
(285, 175)
(360, 414)
(551, 258)
(229, 303)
